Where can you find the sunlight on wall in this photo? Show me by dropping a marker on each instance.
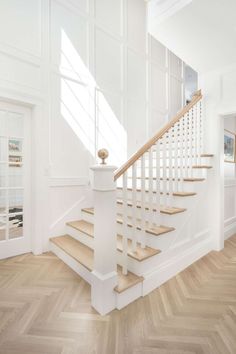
(85, 108)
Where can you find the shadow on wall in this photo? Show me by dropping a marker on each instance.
(85, 108)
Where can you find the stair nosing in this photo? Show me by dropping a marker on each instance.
(139, 279)
(129, 254)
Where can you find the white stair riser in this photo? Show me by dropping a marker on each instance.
(171, 220)
(166, 200)
(71, 262)
(122, 299)
(80, 236)
(129, 296)
(174, 162)
(184, 187)
(133, 265)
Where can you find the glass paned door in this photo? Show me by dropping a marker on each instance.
(14, 180)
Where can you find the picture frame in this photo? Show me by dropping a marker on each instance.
(229, 146)
(15, 146)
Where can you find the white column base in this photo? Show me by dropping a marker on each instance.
(102, 292)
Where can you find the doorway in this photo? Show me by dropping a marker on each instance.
(15, 180)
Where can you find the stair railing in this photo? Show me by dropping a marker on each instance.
(157, 170)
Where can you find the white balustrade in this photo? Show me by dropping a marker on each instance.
(157, 173)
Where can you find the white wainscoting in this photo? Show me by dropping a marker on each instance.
(230, 208)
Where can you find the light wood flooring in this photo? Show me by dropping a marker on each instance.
(45, 309)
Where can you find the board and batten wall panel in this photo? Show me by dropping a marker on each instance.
(101, 81)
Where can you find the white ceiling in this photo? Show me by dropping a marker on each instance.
(203, 33)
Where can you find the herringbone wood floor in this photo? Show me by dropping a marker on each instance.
(45, 308)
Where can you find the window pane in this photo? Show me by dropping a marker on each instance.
(2, 202)
(15, 176)
(15, 124)
(15, 201)
(3, 227)
(3, 176)
(3, 149)
(3, 123)
(15, 226)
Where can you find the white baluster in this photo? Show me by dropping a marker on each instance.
(191, 148)
(198, 135)
(201, 128)
(164, 166)
(195, 133)
(176, 152)
(158, 185)
(186, 144)
(181, 152)
(125, 226)
(150, 188)
(143, 202)
(134, 207)
(170, 159)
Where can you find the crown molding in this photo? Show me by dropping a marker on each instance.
(160, 10)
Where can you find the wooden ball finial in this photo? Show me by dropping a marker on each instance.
(103, 155)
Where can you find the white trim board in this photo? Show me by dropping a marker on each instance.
(229, 227)
(171, 268)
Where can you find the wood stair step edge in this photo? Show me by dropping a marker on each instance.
(201, 166)
(164, 210)
(176, 194)
(207, 155)
(173, 179)
(88, 227)
(85, 256)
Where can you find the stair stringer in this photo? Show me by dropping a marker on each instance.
(186, 248)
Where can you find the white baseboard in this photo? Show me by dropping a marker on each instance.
(170, 268)
(229, 227)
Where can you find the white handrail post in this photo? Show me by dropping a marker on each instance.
(104, 275)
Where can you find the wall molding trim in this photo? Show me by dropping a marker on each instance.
(68, 181)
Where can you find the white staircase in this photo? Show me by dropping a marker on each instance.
(157, 191)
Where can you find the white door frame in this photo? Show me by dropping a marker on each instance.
(39, 167)
(223, 115)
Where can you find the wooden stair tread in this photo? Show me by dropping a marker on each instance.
(157, 230)
(77, 250)
(164, 210)
(85, 256)
(126, 281)
(90, 232)
(176, 194)
(83, 226)
(141, 254)
(184, 194)
(202, 166)
(174, 179)
(194, 179)
(207, 155)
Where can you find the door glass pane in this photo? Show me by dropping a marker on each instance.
(3, 175)
(3, 123)
(16, 176)
(3, 227)
(3, 149)
(15, 201)
(15, 124)
(15, 226)
(3, 200)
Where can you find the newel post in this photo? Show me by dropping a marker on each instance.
(105, 264)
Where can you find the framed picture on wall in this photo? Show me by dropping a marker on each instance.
(229, 146)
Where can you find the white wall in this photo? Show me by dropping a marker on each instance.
(93, 78)
(220, 101)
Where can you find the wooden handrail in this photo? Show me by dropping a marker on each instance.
(197, 97)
